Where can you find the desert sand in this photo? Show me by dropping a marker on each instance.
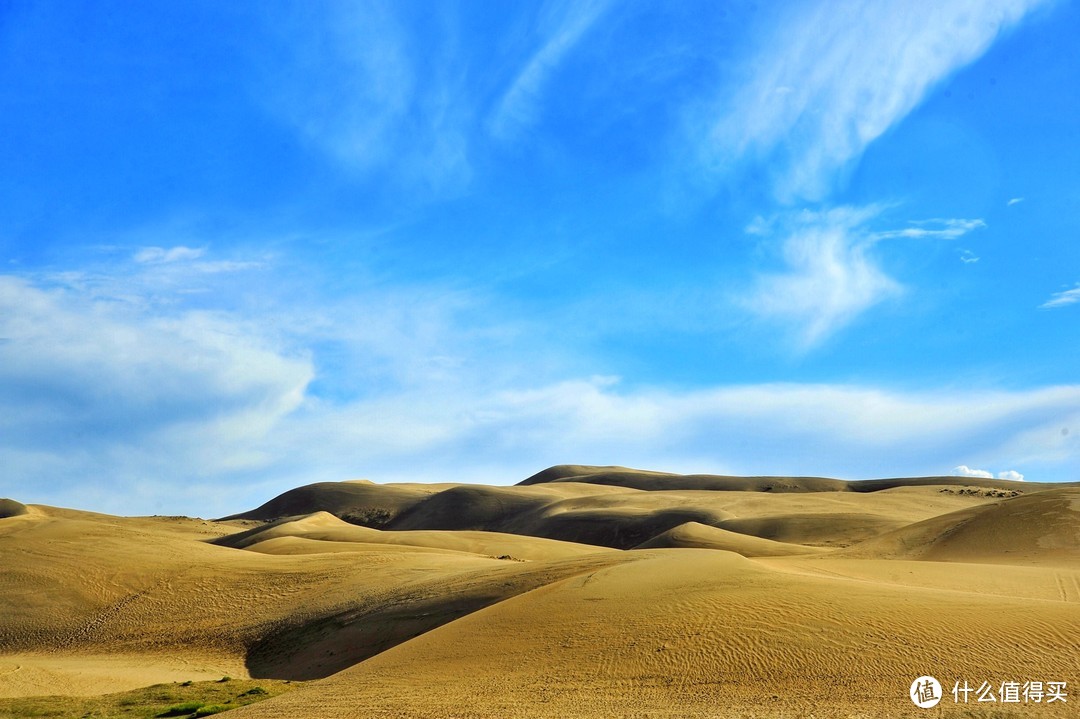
(580, 592)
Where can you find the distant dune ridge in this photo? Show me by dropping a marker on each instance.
(659, 481)
(623, 508)
(11, 508)
(580, 592)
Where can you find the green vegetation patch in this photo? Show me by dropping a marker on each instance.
(184, 700)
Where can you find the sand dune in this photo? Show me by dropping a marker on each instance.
(699, 633)
(359, 502)
(11, 508)
(1031, 529)
(609, 514)
(661, 481)
(127, 587)
(834, 529)
(325, 528)
(694, 535)
(463, 600)
(473, 507)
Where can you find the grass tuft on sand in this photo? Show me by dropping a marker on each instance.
(184, 700)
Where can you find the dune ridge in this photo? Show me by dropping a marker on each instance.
(663, 481)
(621, 508)
(326, 528)
(694, 535)
(11, 508)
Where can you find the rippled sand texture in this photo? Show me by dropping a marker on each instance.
(582, 592)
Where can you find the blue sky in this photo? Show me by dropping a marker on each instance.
(248, 246)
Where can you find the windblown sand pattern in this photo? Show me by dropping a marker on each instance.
(581, 592)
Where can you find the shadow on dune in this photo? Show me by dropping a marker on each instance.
(314, 647)
(11, 508)
(322, 646)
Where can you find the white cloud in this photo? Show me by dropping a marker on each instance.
(162, 255)
(103, 391)
(353, 80)
(75, 361)
(1062, 299)
(117, 399)
(848, 75)
(347, 77)
(519, 104)
(965, 471)
(456, 433)
(968, 257)
(224, 266)
(821, 87)
(830, 277)
(1014, 201)
(937, 229)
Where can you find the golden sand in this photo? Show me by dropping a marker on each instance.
(584, 592)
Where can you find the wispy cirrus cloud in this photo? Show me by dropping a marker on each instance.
(349, 81)
(936, 229)
(828, 81)
(569, 22)
(350, 78)
(383, 94)
(823, 84)
(1062, 299)
(163, 263)
(831, 274)
(161, 255)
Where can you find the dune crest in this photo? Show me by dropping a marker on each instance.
(326, 529)
(663, 481)
(11, 508)
(693, 535)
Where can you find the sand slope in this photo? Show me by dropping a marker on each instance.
(693, 535)
(812, 597)
(11, 508)
(1031, 529)
(324, 527)
(359, 501)
(79, 584)
(687, 632)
